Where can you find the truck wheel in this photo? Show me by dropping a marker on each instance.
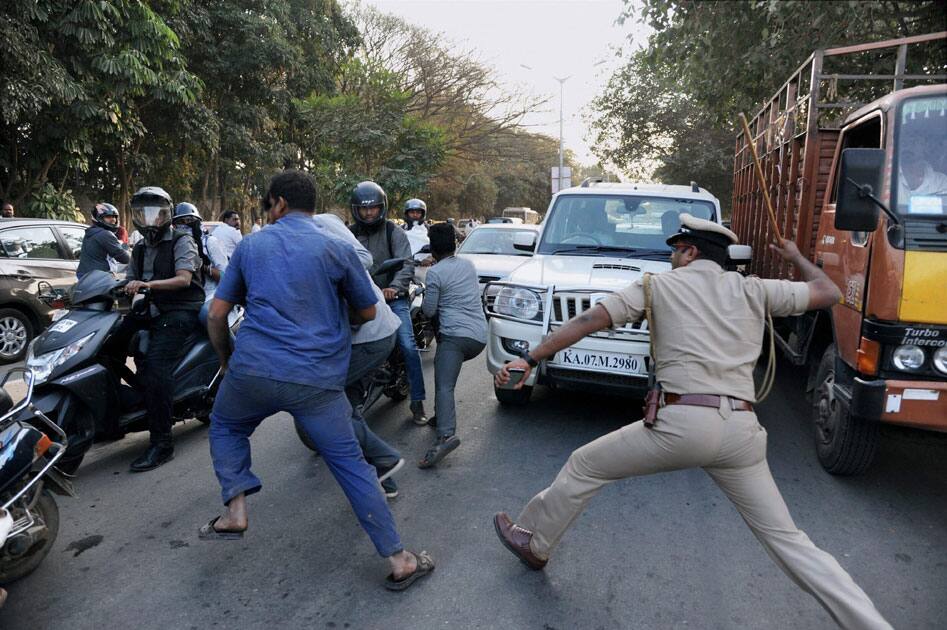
(14, 567)
(845, 445)
(514, 397)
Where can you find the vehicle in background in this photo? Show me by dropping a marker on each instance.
(466, 226)
(880, 356)
(491, 250)
(210, 226)
(526, 215)
(32, 251)
(515, 220)
(596, 239)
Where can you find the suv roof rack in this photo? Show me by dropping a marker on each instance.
(695, 187)
(588, 181)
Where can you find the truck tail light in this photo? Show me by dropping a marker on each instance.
(869, 352)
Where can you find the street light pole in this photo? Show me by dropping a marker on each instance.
(561, 84)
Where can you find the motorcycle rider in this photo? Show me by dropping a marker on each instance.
(101, 241)
(415, 211)
(369, 205)
(167, 262)
(187, 218)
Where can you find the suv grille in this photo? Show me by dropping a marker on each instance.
(565, 306)
(617, 267)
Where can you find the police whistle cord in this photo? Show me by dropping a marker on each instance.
(769, 377)
(750, 142)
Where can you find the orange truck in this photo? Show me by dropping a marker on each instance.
(855, 162)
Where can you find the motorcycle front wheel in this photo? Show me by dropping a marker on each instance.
(13, 568)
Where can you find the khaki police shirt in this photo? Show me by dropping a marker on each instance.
(709, 325)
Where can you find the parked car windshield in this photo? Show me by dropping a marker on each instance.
(485, 240)
(617, 224)
(922, 158)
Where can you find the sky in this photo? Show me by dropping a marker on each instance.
(576, 38)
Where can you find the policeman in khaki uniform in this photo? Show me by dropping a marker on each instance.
(708, 330)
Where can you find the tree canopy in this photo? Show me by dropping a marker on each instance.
(670, 111)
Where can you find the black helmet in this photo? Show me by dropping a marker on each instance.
(184, 211)
(102, 210)
(365, 195)
(414, 204)
(151, 212)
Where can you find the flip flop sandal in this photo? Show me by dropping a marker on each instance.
(439, 451)
(207, 532)
(425, 566)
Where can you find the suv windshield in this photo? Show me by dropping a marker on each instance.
(617, 224)
(921, 159)
(485, 240)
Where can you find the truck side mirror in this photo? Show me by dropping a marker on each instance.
(859, 185)
(739, 255)
(524, 241)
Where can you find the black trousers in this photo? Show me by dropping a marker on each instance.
(167, 334)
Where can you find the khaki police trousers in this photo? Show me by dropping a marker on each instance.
(731, 447)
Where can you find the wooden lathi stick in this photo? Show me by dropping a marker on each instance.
(759, 174)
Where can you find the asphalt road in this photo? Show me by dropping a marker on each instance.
(659, 552)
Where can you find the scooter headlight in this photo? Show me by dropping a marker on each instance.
(43, 365)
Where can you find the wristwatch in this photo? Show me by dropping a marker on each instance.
(530, 360)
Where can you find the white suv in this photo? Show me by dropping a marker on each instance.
(596, 239)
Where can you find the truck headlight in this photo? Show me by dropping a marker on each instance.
(517, 302)
(43, 365)
(907, 358)
(940, 360)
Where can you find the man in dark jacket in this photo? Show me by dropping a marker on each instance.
(100, 241)
(166, 262)
(384, 240)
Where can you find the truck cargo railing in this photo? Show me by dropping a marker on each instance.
(795, 133)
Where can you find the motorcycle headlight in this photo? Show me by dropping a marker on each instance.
(908, 358)
(518, 302)
(940, 360)
(43, 365)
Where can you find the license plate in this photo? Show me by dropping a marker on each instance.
(613, 362)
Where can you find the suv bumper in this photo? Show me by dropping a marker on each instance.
(561, 376)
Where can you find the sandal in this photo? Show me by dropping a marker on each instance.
(439, 451)
(425, 566)
(209, 532)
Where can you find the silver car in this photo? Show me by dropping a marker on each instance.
(490, 248)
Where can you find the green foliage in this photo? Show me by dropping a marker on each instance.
(670, 112)
(49, 203)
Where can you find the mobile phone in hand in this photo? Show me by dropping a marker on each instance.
(516, 375)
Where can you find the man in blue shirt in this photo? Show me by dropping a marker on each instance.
(299, 288)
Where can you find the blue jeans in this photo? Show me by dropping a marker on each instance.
(451, 354)
(366, 358)
(241, 405)
(412, 360)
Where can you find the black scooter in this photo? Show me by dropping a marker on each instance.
(81, 389)
(29, 517)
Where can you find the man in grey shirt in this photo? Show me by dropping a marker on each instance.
(100, 241)
(453, 295)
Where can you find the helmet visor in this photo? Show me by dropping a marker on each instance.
(151, 215)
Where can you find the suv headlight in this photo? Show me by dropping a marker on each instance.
(43, 365)
(907, 358)
(518, 302)
(940, 360)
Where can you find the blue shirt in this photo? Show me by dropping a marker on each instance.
(296, 284)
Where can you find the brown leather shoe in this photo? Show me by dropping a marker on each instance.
(516, 539)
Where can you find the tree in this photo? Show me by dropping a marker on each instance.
(76, 76)
(671, 110)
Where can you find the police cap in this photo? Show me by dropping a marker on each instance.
(709, 232)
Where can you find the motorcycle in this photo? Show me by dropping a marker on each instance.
(29, 452)
(79, 386)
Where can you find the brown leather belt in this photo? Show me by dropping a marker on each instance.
(706, 400)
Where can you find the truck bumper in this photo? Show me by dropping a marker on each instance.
(917, 404)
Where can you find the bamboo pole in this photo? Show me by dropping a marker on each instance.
(759, 174)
